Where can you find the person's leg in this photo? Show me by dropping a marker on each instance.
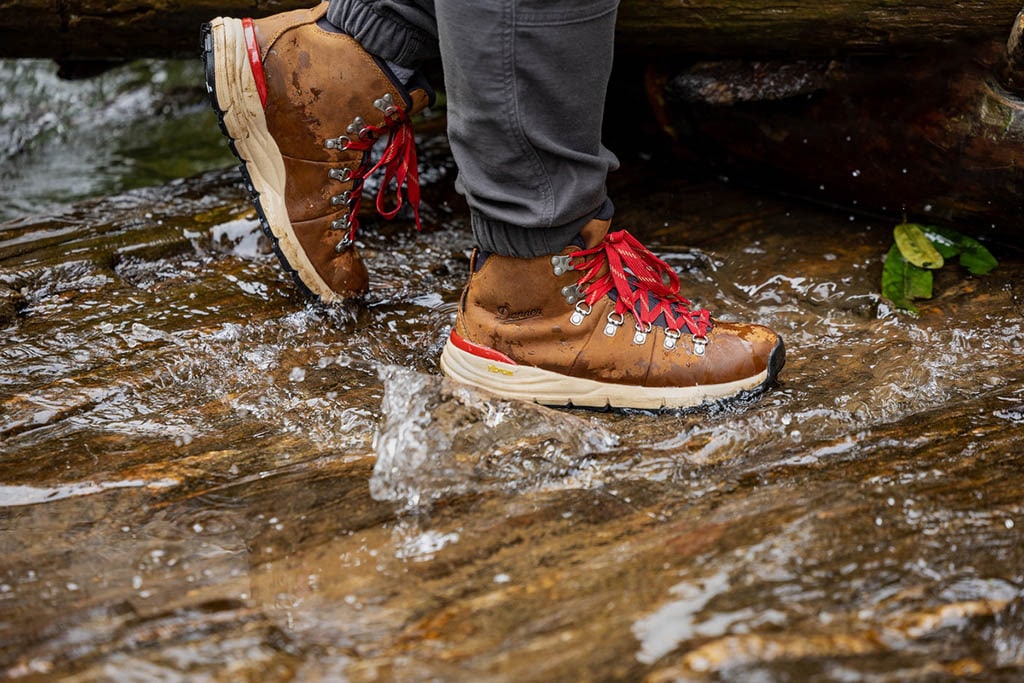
(558, 309)
(302, 104)
(526, 82)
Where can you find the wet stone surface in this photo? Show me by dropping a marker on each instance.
(205, 477)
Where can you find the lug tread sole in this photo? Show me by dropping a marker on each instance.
(240, 117)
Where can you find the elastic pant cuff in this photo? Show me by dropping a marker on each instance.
(386, 37)
(513, 240)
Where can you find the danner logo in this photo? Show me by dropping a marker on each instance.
(505, 313)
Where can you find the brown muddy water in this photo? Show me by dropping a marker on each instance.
(205, 477)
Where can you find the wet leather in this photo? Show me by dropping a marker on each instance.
(515, 306)
(318, 82)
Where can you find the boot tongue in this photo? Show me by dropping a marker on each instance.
(594, 231)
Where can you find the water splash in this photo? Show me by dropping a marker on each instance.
(440, 439)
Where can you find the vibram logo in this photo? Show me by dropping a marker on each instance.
(499, 371)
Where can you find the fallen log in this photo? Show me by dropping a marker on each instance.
(90, 29)
(937, 138)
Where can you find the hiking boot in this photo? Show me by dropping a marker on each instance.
(302, 107)
(600, 325)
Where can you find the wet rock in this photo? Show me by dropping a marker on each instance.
(203, 475)
(11, 302)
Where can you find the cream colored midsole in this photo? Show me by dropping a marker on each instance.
(550, 388)
(246, 123)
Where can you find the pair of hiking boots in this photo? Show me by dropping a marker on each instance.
(600, 324)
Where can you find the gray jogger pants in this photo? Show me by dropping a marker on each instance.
(526, 82)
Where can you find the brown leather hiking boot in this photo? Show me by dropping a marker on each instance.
(302, 107)
(598, 326)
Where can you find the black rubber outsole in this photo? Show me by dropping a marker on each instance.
(776, 359)
(206, 46)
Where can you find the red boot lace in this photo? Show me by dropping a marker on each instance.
(399, 163)
(645, 286)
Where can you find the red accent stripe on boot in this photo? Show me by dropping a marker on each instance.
(481, 351)
(248, 29)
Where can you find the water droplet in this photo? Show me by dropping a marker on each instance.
(502, 578)
(856, 173)
(1008, 524)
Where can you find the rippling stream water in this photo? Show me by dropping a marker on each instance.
(205, 477)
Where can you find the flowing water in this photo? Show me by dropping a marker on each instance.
(205, 477)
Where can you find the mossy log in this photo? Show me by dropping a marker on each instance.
(94, 30)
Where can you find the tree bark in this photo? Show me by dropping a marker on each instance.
(122, 29)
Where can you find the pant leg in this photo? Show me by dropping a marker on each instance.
(400, 31)
(526, 82)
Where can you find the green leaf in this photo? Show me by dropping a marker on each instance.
(944, 244)
(916, 247)
(902, 281)
(973, 255)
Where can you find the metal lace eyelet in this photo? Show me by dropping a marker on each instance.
(341, 199)
(671, 339)
(700, 344)
(579, 315)
(343, 223)
(613, 324)
(386, 104)
(640, 336)
(562, 264)
(340, 174)
(357, 126)
(340, 142)
(573, 293)
(344, 245)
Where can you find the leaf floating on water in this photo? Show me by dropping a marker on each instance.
(902, 281)
(977, 259)
(916, 248)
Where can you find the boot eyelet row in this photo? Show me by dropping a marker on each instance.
(340, 174)
(342, 199)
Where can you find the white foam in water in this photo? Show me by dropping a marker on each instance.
(440, 439)
(242, 233)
